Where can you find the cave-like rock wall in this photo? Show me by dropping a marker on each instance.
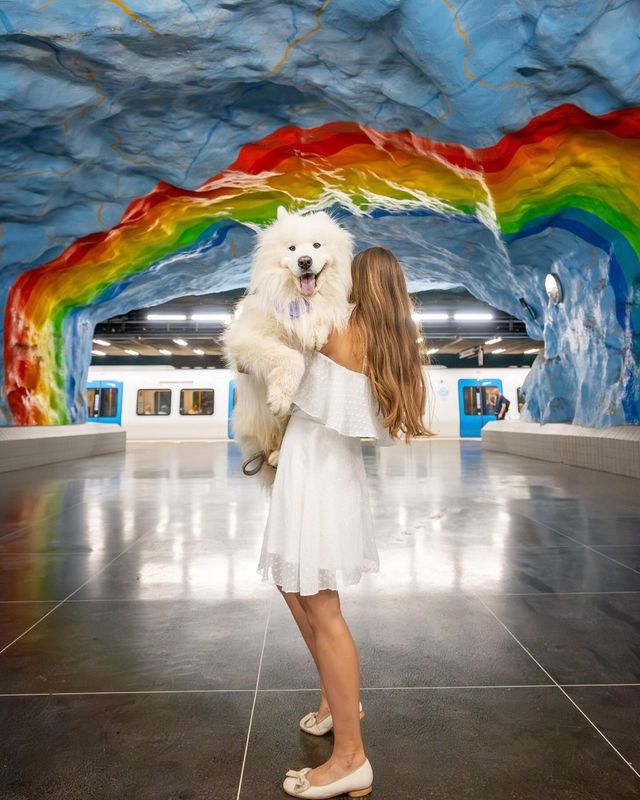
(487, 143)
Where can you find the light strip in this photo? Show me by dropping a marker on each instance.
(211, 317)
(102, 342)
(181, 342)
(166, 317)
(499, 350)
(97, 353)
(495, 340)
(198, 351)
(432, 350)
(533, 350)
(165, 352)
(465, 316)
(132, 352)
(423, 316)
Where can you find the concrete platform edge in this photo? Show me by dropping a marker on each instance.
(28, 447)
(615, 450)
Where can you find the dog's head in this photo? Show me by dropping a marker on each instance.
(302, 256)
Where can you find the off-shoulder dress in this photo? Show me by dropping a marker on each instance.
(319, 532)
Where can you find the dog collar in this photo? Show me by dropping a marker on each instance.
(299, 307)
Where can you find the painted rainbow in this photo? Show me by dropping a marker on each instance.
(530, 180)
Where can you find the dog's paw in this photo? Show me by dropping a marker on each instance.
(273, 458)
(279, 399)
(282, 384)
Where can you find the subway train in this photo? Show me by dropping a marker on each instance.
(169, 403)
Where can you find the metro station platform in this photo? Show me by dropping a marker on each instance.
(141, 657)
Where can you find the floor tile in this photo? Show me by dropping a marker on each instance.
(141, 746)
(406, 641)
(201, 573)
(46, 577)
(628, 555)
(16, 618)
(143, 645)
(579, 638)
(616, 712)
(415, 564)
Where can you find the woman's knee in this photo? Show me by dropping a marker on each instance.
(321, 609)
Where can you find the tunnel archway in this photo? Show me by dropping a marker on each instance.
(454, 216)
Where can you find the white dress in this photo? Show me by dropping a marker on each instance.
(319, 532)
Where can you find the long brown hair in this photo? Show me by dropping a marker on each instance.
(388, 338)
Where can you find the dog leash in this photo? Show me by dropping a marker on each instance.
(260, 457)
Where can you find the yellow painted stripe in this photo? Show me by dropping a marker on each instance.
(134, 16)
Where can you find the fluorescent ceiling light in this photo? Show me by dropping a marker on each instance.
(533, 350)
(181, 342)
(165, 352)
(470, 316)
(219, 317)
(495, 340)
(433, 350)
(97, 353)
(132, 352)
(198, 351)
(166, 317)
(102, 342)
(499, 350)
(423, 316)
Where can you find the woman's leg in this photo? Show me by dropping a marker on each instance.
(337, 660)
(300, 616)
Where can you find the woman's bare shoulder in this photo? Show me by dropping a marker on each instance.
(341, 348)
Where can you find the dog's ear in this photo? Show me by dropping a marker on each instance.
(281, 213)
(323, 215)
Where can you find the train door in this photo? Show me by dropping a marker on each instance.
(104, 401)
(477, 403)
(231, 406)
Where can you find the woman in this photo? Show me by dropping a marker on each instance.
(366, 381)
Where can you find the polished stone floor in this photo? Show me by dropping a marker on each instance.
(141, 658)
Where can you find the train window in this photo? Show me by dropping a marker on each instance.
(153, 402)
(102, 403)
(470, 399)
(196, 402)
(109, 402)
(93, 402)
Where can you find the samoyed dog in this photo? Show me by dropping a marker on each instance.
(299, 290)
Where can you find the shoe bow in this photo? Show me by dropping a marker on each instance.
(310, 720)
(301, 783)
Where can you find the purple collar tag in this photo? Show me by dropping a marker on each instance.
(299, 307)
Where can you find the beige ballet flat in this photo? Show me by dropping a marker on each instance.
(310, 724)
(357, 784)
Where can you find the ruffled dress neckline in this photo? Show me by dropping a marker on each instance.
(339, 398)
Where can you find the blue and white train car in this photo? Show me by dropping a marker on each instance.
(168, 403)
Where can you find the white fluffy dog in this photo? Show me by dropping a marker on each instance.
(299, 290)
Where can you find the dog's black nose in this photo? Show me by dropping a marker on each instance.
(305, 262)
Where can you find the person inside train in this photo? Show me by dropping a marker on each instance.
(502, 405)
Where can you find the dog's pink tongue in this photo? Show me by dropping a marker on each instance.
(308, 284)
